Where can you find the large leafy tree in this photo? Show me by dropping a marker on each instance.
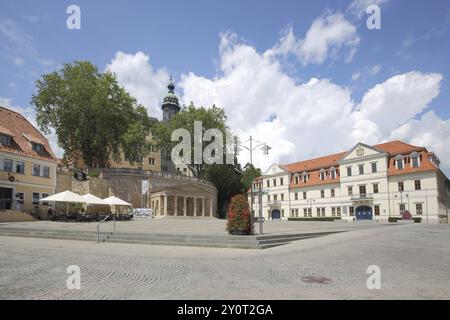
(210, 118)
(91, 114)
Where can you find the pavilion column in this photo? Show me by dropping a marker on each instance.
(184, 206)
(195, 206)
(175, 205)
(210, 208)
(165, 204)
(203, 207)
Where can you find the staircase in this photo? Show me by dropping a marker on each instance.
(216, 241)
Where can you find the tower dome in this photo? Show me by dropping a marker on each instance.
(170, 104)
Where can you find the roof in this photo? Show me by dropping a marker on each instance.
(23, 132)
(392, 148)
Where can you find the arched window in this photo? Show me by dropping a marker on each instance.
(415, 159)
(399, 162)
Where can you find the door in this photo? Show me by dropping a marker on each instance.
(364, 213)
(6, 198)
(276, 215)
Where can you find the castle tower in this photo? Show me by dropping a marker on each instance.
(170, 104)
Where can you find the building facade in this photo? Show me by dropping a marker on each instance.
(364, 183)
(27, 165)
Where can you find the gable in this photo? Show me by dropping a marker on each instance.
(274, 169)
(362, 150)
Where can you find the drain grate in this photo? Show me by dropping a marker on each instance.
(316, 279)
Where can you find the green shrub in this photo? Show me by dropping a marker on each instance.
(395, 219)
(329, 219)
(239, 219)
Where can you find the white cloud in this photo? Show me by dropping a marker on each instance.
(355, 76)
(307, 119)
(358, 7)
(375, 69)
(326, 37)
(146, 84)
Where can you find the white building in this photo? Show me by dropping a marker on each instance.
(364, 183)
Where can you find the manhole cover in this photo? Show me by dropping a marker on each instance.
(316, 279)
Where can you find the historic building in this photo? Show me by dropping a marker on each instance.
(27, 164)
(364, 183)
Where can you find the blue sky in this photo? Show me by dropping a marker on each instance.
(183, 38)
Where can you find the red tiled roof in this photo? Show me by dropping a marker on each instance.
(22, 132)
(393, 148)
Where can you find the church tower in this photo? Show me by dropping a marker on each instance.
(170, 104)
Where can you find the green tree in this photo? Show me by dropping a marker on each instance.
(91, 114)
(249, 174)
(211, 118)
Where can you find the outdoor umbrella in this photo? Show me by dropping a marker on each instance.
(91, 199)
(65, 196)
(114, 201)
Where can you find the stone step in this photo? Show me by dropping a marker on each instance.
(219, 241)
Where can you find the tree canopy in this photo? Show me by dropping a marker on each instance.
(91, 114)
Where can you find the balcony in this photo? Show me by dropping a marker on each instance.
(362, 196)
(274, 203)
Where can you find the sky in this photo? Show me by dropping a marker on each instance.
(308, 78)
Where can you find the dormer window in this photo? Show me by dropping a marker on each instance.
(333, 173)
(399, 162)
(305, 177)
(37, 147)
(415, 160)
(5, 139)
(296, 179)
(322, 174)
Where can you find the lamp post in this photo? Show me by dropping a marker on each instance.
(265, 148)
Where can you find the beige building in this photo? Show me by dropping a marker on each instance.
(364, 183)
(27, 165)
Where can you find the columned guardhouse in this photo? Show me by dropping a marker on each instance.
(363, 183)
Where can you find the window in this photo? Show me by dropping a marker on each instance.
(323, 212)
(305, 177)
(38, 148)
(401, 186)
(274, 182)
(7, 165)
(296, 213)
(305, 212)
(151, 161)
(332, 193)
(377, 210)
(402, 208)
(351, 211)
(35, 198)
(361, 169)
(281, 181)
(374, 167)
(296, 179)
(296, 196)
(375, 188)
(282, 197)
(419, 209)
(36, 170)
(282, 213)
(349, 171)
(322, 175)
(268, 197)
(399, 163)
(44, 195)
(333, 211)
(417, 185)
(322, 193)
(333, 173)
(415, 160)
(318, 212)
(338, 211)
(304, 195)
(20, 167)
(267, 183)
(5, 139)
(45, 172)
(350, 191)
(362, 191)
(275, 197)
(310, 212)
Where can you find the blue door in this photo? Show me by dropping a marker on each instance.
(276, 215)
(363, 213)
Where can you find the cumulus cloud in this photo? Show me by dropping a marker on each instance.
(326, 37)
(314, 118)
(137, 75)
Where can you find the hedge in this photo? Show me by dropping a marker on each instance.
(395, 219)
(315, 219)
